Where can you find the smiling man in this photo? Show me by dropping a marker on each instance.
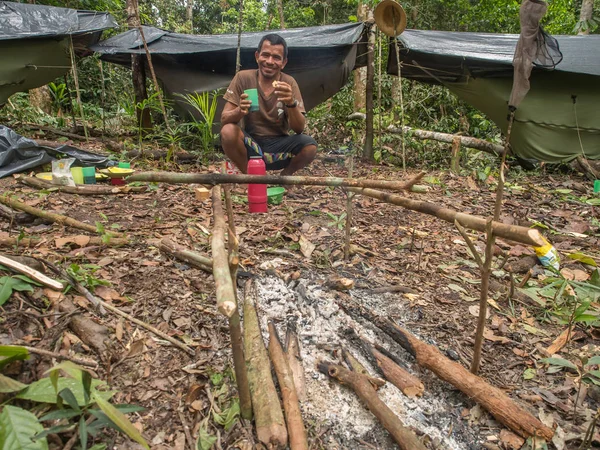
(266, 132)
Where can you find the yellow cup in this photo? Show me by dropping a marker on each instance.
(77, 173)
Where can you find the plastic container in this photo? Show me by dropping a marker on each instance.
(124, 165)
(89, 175)
(548, 255)
(257, 193)
(77, 173)
(117, 181)
(253, 97)
(596, 186)
(275, 195)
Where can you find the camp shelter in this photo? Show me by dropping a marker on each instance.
(35, 42)
(560, 109)
(319, 58)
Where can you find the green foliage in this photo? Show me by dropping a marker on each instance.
(19, 283)
(338, 222)
(585, 368)
(18, 427)
(205, 105)
(10, 353)
(84, 273)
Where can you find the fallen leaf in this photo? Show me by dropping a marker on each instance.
(339, 284)
(80, 240)
(474, 310)
(519, 250)
(560, 341)
(150, 263)
(490, 336)
(511, 440)
(107, 293)
(119, 330)
(54, 296)
(306, 247)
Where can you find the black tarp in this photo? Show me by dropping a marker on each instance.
(319, 58)
(19, 154)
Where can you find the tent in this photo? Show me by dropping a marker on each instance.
(558, 116)
(319, 58)
(35, 42)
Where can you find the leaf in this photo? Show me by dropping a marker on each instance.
(68, 397)
(583, 258)
(27, 280)
(10, 353)
(205, 439)
(593, 361)
(8, 385)
(6, 288)
(559, 362)
(228, 417)
(120, 420)
(42, 390)
(17, 429)
(306, 247)
(83, 435)
(529, 374)
(60, 414)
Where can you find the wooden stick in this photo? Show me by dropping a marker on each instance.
(410, 385)
(360, 384)
(348, 213)
(355, 366)
(455, 161)
(14, 216)
(218, 178)
(226, 301)
(189, 256)
(291, 405)
(470, 244)
(270, 425)
(34, 241)
(294, 359)
(489, 397)
(59, 356)
(515, 233)
(31, 273)
(88, 189)
(53, 217)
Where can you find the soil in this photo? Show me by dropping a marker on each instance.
(392, 246)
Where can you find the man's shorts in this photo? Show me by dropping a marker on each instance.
(277, 152)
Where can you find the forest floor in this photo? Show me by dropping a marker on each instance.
(292, 252)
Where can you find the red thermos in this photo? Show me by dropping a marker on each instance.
(257, 193)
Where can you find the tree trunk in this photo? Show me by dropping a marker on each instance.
(368, 150)
(189, 14)
(280, 11)
(360, 74)
(138, 72)
(40, 98)
(587, 11)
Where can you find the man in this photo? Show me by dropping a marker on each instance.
(280, 109)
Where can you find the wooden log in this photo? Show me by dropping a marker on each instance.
(226, 301)
(15, 216)
(35, 241)
(294, 359)
(270, 425)
(218, 178)
(31, 273)
(28, 261)
(94, 335)
(410, 385)
(355, 365)
(492, 399)
(88, 189)
(528, 236)
(291, 405)
(466, 141)
(189, 256)
(53, 217)
(360, 384)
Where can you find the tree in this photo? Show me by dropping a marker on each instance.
(138, 71)
(586, 20)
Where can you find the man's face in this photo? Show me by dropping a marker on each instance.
(270, 60)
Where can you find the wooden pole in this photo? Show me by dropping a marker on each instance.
(218, 178)
(455, 162)
(35, 241)
(270, 425)
(489, 397)
(88, 189)
(360, 384)
(291, 405)
(348, 212)
(189, 256)
(410, 385)
(226, 301)
(368, 151)
(515, 233)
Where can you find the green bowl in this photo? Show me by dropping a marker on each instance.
(275, 195)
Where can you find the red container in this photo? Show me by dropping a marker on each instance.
(257, 193)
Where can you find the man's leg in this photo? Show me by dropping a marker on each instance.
(301, 160)
(232, 141)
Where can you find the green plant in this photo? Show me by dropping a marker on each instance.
(60, 97)
(76, 403)
(338, 222)
(9, 284)
(84, 274)
(205, 104)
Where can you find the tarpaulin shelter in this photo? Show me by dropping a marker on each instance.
(319, 58)
(560, 108)
(35, 42)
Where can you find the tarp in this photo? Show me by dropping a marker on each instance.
(319, 58)
(19, 154)
(478, 68)
(35, 41)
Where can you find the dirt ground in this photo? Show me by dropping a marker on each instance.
(299, 245)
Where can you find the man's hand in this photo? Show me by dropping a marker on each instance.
(284, 94)
(244, 104)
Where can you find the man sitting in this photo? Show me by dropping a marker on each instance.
(280, 109)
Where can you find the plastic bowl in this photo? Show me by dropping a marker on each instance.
(275, 195)
(116, 172)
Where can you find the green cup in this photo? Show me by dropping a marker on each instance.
(89, 175)
(596, 186)
(77, 173)
(124, 165)
(253, 97)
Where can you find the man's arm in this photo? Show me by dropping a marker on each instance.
(233, 113)
(286, 96)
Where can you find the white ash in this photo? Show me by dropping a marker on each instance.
(321, 324)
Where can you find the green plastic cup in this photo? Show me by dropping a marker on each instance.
(253, 97)
(596, 186)
(124, 165)
(77, 175)
(89, 175)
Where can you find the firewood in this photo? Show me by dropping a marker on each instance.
(94, 335)
(291, 405)
(360, 384)
(217, 178)
(270, 425)
(410, 385)
(87, 189)
(357, 367)
(499, 405)
(294, 358)
(15, 216)
(34, 241)
(189, 256)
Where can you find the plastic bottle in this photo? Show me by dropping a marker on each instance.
(257, 193)
(548, 255)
